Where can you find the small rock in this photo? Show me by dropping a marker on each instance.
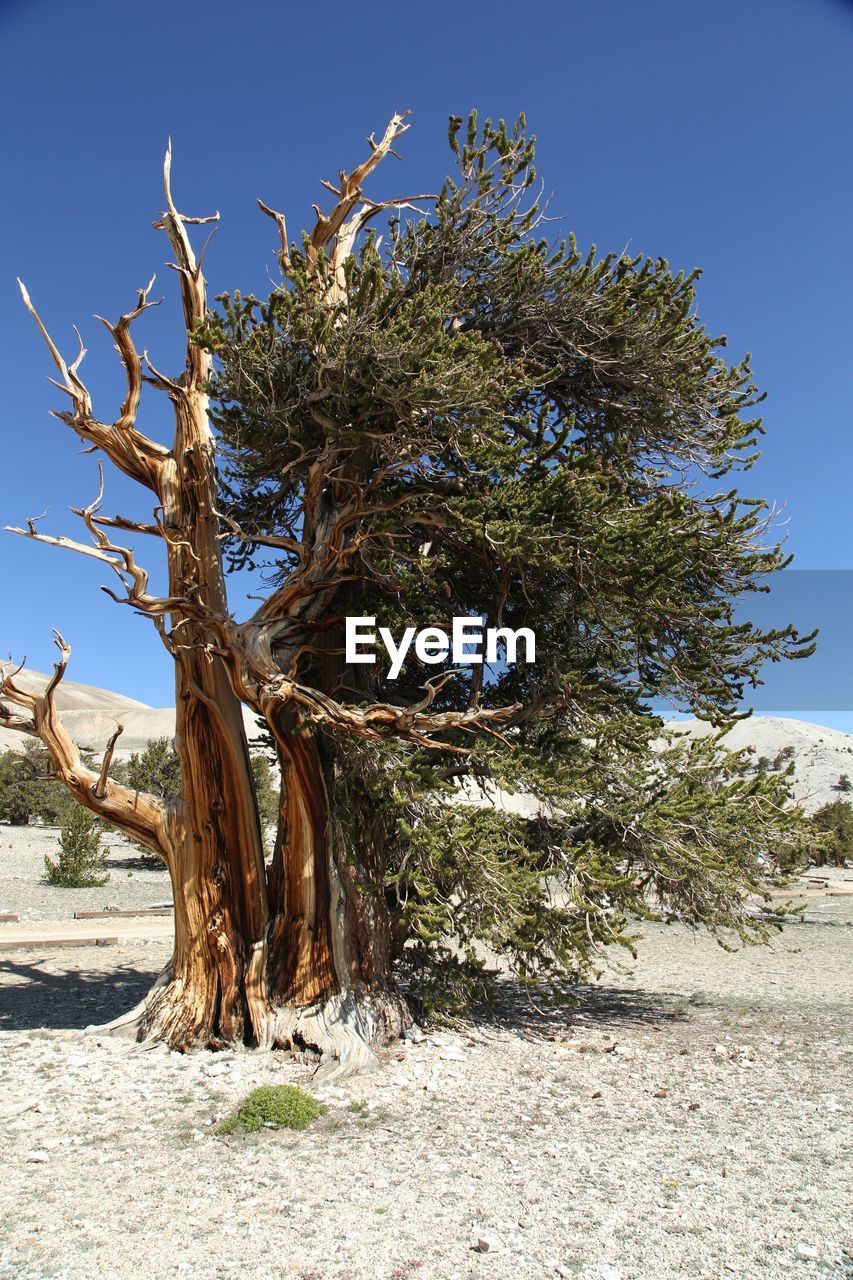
(414, 1034)
(807, 1251)
(598, 1094)
(721, 1051)
(693, 1106)
(217, 1068)
(452, 1054)
(37, 1157)
(659, 1093)
(486, 1244)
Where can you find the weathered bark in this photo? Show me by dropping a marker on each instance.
(216, 994)
(330, 979)
(297, 954)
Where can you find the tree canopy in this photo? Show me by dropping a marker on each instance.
(438, 412)
(461, 417)
(505, 428)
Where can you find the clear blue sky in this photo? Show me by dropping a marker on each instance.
(718, 135)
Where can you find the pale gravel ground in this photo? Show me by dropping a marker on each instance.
(489, 1130)
(134, 881)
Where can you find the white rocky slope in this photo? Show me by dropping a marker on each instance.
(821, 755)
(91, 715)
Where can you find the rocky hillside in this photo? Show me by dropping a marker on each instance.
(820, 755)
(91, 715)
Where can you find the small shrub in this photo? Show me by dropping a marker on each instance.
(26, 789)
(844, 783)
(16, 803)
(277, 1106)
(834, 822)
(81, 859)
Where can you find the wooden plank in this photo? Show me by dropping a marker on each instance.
(116, 913)
(48, 944)
(7, 917)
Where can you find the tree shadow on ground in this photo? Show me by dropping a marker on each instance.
(587, 1007)
(32, 997)
(41, 994)
(135, 862)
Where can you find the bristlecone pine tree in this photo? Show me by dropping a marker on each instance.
(454, 418)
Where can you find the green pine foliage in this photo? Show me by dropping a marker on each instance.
(546, 437)
(156, 770)
(267, 794)
(80, 864)
(16, 798)
(27, 792)
(835, 822)
(684, 830)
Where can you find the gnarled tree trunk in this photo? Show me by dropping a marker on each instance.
(330, 979)
(249, 966)
(297, 953)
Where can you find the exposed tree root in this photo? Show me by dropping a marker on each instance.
(344, 1030)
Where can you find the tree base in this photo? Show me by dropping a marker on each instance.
(343, 1032)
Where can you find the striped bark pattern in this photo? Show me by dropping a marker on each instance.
(282, 955)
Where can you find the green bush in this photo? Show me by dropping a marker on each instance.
(157, 770)
(276, 1106)
(16, 799)
(266, 791)
(81, 859)
(835, 822)
(26, 790)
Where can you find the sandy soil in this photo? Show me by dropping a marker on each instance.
(689, 1119)
(135, 880)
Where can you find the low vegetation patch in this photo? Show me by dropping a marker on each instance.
(278, 1106)
(80, 864)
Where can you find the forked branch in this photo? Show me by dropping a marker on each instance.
(132, 452)
(337, 226)
(193, 295)
(122, 560)
(382, 719)
(137, 814)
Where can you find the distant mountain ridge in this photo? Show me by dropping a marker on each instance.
(821, 755)
(71, 696)
(91, 714)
